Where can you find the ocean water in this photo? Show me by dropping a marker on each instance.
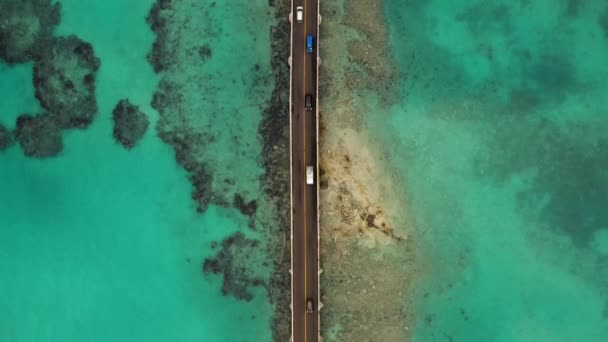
(498, 127)
(102, 243)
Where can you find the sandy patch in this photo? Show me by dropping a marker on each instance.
(365, 250)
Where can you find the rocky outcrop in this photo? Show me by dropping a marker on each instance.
(130, 124)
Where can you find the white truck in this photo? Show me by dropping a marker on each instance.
(310, 179)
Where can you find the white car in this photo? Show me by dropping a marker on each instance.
(309, 175)
(299, 14)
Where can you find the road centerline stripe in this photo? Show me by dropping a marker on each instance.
(305, 185)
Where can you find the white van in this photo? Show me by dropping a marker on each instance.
(299, 14)
(309, 175)
(309, 306)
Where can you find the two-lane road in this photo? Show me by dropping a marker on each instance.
(303, 137)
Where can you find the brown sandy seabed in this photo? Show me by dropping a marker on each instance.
(367, 249)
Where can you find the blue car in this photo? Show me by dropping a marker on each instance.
(309, 43)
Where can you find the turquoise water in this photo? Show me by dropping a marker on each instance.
(16, 81)
(499, 129)
(102, 243)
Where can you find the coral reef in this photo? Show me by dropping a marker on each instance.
(39, 136)
(6, 138)
(25, 28)
(220, 180)
(200, 177)
(64, 78)
(130, 124)
(158, 57)
(64, 73)
(195, 137)
(185, 145)
(577, 154)
(246, 208)
(233, 263)
(274, 133)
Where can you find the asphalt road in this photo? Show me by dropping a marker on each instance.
(305, 326)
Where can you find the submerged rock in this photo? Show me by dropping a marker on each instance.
(6, 138)
(130, 124)
(39, 136)
(26, 26)
(246, 208)
(205, 52)
(233, 263)
(64, 78)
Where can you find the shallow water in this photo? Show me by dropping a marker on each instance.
(498, 129)
(102, 243)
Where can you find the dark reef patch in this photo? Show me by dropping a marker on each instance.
(26, 27)
(166, 93)
(602, 20)
(553, 74)
(39, 136)
(168, 100)
(523, 101)
(130, 124)
(570, 173)
(246, 208)
(185, 145)
(64, 79)
(482, 16)
(274, 128)
(232, 262)
(274, 134)
(6, 138)
(159, 56)
(573, 8)
(535, 76)
(568, 164)
(200, 177)
(205, 52)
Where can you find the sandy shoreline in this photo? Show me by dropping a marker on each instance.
(366, 252)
